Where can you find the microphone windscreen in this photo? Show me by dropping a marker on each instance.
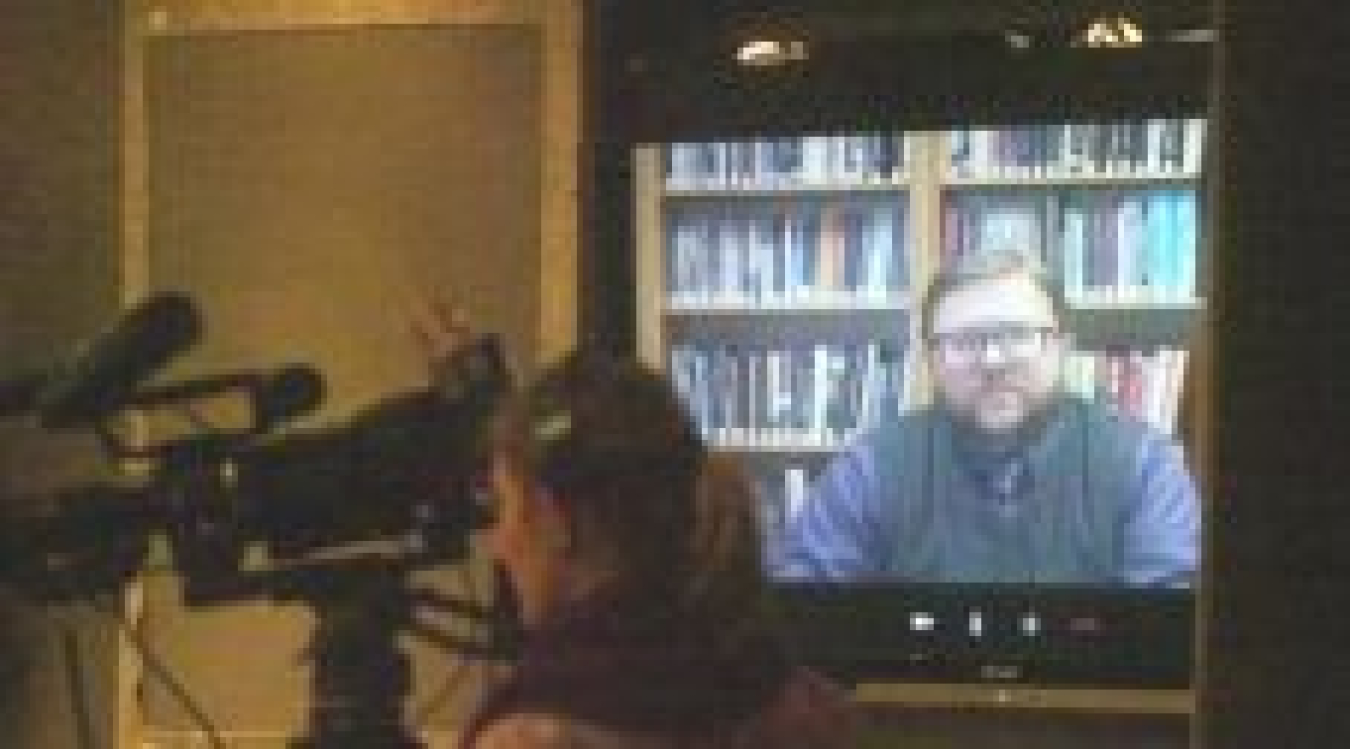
(104, 374)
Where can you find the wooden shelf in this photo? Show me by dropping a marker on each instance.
(800, 328)
(1068, 180)
(786, 188)
(1017, 697)
(808, 305)
(788, 441)
(1141, 302)
(1139, 326)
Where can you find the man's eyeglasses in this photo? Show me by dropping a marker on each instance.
(968, 345)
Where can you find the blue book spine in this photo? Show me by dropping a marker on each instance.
(1158, 228)
(1186, 245)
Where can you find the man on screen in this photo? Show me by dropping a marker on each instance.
(1006, 477)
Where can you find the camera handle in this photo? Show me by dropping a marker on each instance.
(360, 676)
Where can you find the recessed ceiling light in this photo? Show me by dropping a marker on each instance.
(770, 52)
(1111, 32)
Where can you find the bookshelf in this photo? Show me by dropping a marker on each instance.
(778, 278)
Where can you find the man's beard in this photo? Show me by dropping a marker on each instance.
(979, 437)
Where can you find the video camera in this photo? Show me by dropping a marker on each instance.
(403, 470)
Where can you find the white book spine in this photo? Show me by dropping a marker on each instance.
(794, 492)
(1155, 387)
(780, 400)
(979, 153)
(1176, 377)
(1193, 150)
(878, 247)
(1074, 239)
(1129, 222)
(820, 378)
(871, 388)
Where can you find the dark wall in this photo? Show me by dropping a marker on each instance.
(60, 83)
(1273, 671)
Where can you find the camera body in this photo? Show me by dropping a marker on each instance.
(404, 470)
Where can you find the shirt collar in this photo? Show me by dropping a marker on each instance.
(1006, 470)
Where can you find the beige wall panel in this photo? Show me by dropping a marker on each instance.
(304, 186)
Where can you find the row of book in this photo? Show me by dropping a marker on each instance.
(1107, 244)
(1137, 148)
(806, 251)
(785, 162)
(816, 395)
(1161, 147)
(1146, 385)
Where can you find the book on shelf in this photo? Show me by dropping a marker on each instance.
(792, 397)
(1153, 148)
(1109, 245)
(786, 162)
(1145, 385)
(797, 252)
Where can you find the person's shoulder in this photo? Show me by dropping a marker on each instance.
(812, 712)
(523, 731)
(1132, 435)
(548, 731)
(897, 428)
(1098, 417)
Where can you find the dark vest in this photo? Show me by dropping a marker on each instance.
(1062, 522)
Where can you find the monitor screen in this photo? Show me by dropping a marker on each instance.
(952, 359)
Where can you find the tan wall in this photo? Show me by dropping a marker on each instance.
(304, 172)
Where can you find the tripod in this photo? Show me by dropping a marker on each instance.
(361, 677)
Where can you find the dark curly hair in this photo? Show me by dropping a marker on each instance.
(648, 502)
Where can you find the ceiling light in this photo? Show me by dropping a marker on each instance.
(1111, 32)
(762, 53)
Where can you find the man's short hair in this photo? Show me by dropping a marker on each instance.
(974, 267)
